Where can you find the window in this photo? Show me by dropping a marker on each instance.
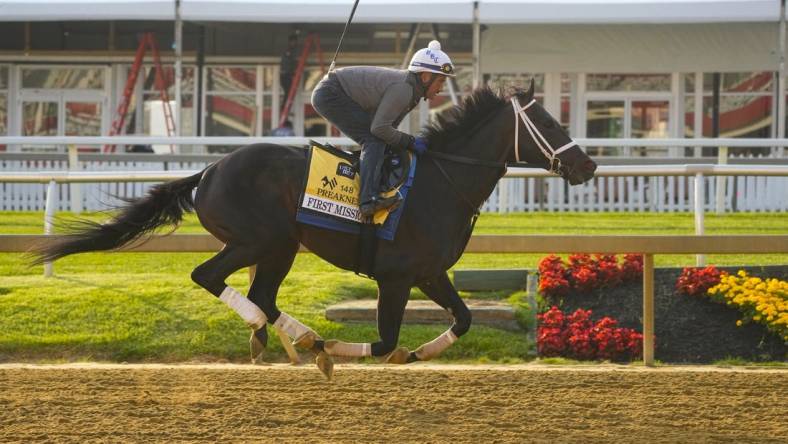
(517, 80)
(153, 121)
(267, 115)
(565, 118)
(628, 82)
(745, 104)
(230, 102)
(239, 101)
(624, 106)
(63, 78)
(745, 107)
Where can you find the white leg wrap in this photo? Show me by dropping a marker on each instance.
(348, 349)
(246, 309)
(436, 346)
(292, 327)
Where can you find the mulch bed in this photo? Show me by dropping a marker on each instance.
(687, 329)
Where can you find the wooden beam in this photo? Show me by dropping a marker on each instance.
(673, 244)
(476, 280)
(648, 309)
(679, 244)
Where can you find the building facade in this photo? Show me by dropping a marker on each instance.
(607, 80)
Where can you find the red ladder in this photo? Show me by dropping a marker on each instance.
(147, 41)
(311, 39)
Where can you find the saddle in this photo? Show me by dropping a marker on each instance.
(330, 196)
(394, 170)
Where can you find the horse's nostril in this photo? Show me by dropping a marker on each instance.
(589, 166)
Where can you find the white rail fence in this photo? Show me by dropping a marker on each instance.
(664, 193)
(633, 192)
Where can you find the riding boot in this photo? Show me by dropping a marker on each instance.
(372, 155)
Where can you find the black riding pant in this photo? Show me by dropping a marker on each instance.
(331, 102)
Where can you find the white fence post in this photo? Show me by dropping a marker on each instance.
(75, 189)
(700, 259)
(49, 219)
(722, 159)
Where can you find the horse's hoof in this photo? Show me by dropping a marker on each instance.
(325, 364)
(398, 356)
(307, 340)
(257, 343)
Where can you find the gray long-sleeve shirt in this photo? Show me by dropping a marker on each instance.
(387, 94)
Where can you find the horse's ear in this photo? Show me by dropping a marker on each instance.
(529, 95)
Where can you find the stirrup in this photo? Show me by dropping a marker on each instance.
(378, 203)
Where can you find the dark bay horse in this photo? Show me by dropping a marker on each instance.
(248, 200)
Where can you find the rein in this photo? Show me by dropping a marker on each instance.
(553, 162)
(435, 155)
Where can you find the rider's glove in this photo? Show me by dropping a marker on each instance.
(419, 145)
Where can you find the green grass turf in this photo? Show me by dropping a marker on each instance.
(144, 307)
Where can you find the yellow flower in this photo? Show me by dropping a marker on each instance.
(760, 300)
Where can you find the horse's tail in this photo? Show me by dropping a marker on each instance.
(163, 205)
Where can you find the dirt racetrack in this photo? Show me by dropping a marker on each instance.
(526, 403)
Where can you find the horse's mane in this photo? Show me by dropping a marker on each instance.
(451, 125)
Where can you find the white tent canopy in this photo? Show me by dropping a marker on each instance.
(628, 11)
(400, 11)
(678, 47)
(76, 10)
(329, 11)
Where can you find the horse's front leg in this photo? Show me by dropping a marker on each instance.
(392, 298)
(441, 290)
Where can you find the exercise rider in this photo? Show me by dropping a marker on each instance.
(367, 103)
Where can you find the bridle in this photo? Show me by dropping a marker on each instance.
(550, 153)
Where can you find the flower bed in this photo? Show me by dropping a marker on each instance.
(585, 273)
(759, 300)
(764, 301)
(687, 329)
(577, 336)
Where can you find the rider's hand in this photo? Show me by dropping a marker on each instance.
(419, 145)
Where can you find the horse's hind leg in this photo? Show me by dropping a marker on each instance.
(212, 273)
(441, 290)
(270, 273)
(268, 276)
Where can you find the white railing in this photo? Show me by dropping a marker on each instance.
(636, 189)
(344, 141)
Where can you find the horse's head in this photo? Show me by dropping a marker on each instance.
(539, 139)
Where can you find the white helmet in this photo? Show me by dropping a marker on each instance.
(432, 59)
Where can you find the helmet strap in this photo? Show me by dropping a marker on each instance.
(426, 86)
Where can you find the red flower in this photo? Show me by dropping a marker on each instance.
(584, 279)
(632, 267)
(695, 281)
(576, 336)
(584, 273)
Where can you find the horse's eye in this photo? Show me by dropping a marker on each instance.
(549, 124)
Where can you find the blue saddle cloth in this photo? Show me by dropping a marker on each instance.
(386, 232)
